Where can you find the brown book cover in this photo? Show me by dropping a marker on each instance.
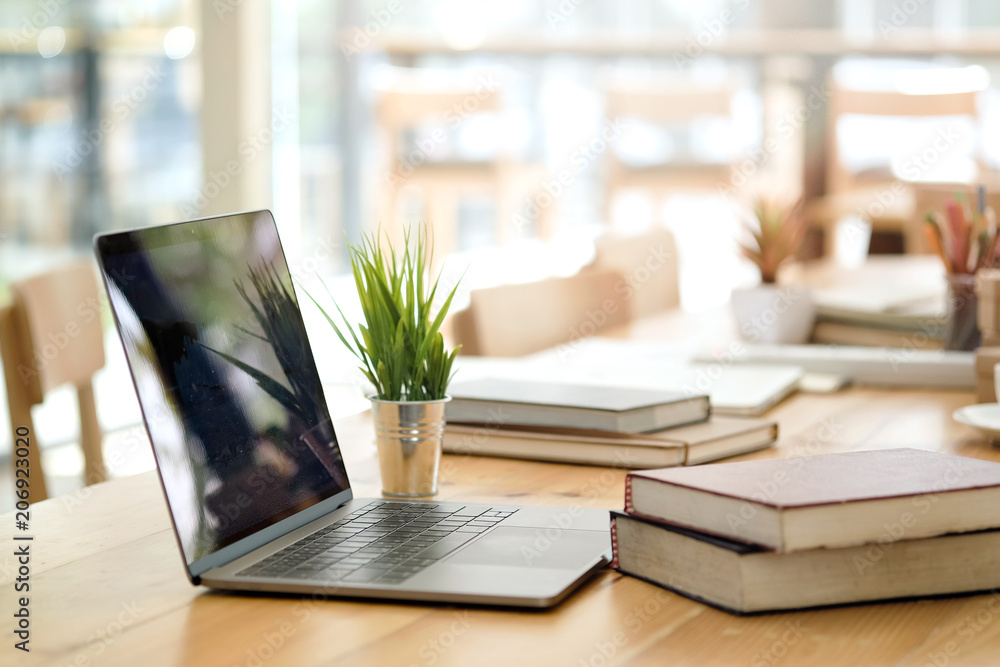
(824, 501)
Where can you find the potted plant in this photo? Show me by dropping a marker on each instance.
(768, 313)
(965, 242)
(403, 355)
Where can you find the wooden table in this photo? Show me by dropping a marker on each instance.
(108, 588)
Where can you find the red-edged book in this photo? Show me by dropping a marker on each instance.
(831, 500)
(745, 579)
(813, 531)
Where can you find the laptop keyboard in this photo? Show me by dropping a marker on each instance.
(384, 542)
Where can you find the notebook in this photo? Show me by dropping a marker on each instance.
(619, 409)
(733, 388)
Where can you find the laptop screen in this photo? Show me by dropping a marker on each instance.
(224, 374)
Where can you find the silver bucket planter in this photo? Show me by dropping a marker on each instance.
(408, 436)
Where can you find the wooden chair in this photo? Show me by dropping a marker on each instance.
(648, 263)
(50, 335)
(515, 320)
(664, 102)
(409, 99)
(887, 201)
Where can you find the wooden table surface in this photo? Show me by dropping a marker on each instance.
(108, 586)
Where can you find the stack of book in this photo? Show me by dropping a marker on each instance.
(813, 531)
(915, 323)
(620, 427)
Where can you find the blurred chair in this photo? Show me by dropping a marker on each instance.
(515, 320)
(882, 189)
(50, 335)
(648, 263)
(420, 115)
(660, 103)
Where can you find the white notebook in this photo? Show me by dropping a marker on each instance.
(734, 389)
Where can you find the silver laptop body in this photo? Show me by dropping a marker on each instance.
(248, 458)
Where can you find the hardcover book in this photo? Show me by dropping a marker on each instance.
(831, 500)
(742, 578)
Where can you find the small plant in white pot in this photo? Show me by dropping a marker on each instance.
(769, 313)
(402, 353)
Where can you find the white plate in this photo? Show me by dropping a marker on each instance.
(985, 417)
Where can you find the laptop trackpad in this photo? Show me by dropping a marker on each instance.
(531, 547)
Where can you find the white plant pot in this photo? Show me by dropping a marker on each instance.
(774, 314)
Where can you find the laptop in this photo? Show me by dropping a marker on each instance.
(247, 454)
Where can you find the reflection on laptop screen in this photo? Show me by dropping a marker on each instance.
(224, 374)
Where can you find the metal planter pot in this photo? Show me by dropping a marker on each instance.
(408, 436)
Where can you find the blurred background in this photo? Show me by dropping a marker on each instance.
(523, 132)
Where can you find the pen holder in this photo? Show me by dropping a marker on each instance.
(408, 436)
(961, 331)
